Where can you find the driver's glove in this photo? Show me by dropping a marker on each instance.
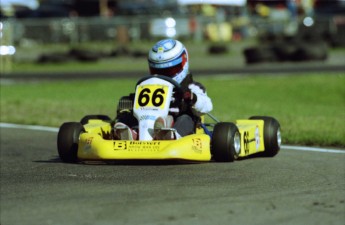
(189, 97)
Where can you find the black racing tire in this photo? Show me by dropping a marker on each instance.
(217, 49)
(272, 135)
(311, 51)
(53, 58)
(285, 51)
(259, 54)
(68, 141)
(226, 142)
(86, 119)
(84, 55)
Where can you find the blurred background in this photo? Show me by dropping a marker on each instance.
(255, 31)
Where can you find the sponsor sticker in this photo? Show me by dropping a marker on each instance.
(257, 138)
(88, 143)
(197, 145)
(119, 145)
(147, 117)
(144, 146)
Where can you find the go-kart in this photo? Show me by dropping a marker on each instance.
(92, 139)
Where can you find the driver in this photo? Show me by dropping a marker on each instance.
(169, 58)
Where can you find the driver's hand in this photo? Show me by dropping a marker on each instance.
(189, 97)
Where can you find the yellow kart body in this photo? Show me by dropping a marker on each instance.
(92, 146)
(95, 145)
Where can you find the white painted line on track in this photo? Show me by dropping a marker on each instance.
(29, 127)
(311, 149)
(284, 147)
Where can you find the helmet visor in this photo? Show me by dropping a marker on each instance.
(170, 71)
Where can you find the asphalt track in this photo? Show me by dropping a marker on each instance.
(295, 187)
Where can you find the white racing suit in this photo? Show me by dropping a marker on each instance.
(200, 104)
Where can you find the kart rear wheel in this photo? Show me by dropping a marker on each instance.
(68, 140)
(226, 142)
(272, 135)
(86, 119)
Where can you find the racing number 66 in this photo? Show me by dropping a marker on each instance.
(157, 97)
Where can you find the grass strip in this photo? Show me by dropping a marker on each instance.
(310, 108)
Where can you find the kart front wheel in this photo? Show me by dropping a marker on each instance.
(68, 140)
(272, 135)
(226, 142)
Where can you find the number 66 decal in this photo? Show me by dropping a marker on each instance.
(151, 96)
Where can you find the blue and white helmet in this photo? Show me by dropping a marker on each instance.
(169, 57)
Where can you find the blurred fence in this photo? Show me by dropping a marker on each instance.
(78, 30)
(75, 30)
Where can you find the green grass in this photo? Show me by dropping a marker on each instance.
(310, 108)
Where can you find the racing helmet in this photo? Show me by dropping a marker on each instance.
(169, 57)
